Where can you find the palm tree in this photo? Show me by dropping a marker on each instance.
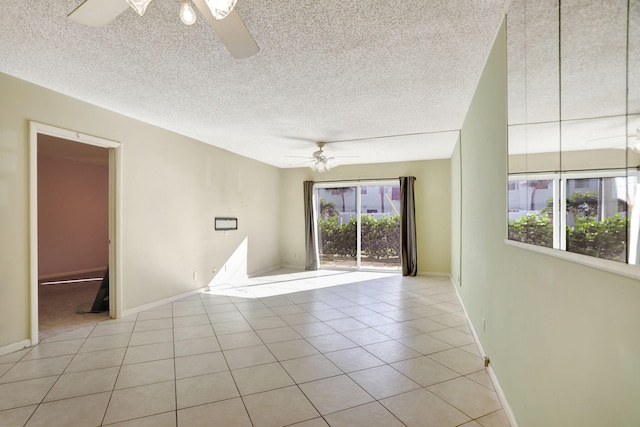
(327, 209)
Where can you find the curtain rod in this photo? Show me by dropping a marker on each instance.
(358, 180)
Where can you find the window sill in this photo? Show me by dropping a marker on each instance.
(627, 270)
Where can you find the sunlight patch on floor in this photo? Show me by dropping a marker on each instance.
(286, 281)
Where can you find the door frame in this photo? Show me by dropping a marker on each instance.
(357, 184)
(115, 174)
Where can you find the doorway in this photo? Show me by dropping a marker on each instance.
(358, 225)
(73, 229)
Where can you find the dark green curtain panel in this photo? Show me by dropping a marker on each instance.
(310, 240)
(408, 226)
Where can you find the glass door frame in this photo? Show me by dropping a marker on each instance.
(357, 184)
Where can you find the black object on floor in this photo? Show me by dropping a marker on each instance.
(101, 303)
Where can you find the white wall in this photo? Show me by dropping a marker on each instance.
(433, 207)
(172, 188)
(562, 337)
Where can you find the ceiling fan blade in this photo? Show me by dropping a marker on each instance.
(97, 13)
(231, 31)
(301, 164)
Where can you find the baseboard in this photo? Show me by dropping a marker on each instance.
(14, 347)
(503, 399)
(266, 271)
(496, 384)
(292, 267)
(72, 273)
(152, 305)
(433, 273)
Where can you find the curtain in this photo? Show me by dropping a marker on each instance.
(408, 227)
(310, 239)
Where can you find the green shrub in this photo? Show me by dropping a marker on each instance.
(380, 237)
(533, 229)
(601, 239)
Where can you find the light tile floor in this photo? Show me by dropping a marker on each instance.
(305, 349)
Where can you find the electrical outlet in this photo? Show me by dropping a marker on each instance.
(484, 325)
(195, 275)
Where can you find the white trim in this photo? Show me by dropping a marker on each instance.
(557, 213)
(533, 176)
(621, 268)
(72, 135)
(10, 348)
(435, 273)
(359, 227)
(596, 173)
(115, 231)
(72, 273)
(560, 221)
(494, 379)
(33, 232)
(503, 399)
(152, 305)
(315, 207)
(355, 182)
(115, 174)
(290, 267)
(268, 270)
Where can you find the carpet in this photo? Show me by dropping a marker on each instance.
(59, 307)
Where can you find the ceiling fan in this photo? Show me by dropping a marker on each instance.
(318, 160)
(632, 140)
(220, 14)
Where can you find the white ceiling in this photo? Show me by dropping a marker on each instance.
(394, 79)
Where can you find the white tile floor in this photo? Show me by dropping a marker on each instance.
(305, 349)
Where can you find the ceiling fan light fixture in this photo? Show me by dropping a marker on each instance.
(220, 8)
(140, 6)
(187, 14)
(321, 166)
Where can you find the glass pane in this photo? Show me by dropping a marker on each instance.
(517, 147)
(542, 61)
(594, 58)
(594, 144)
(633, 142)
(633, 197)
(634, 58)
(533, 61)
(337, 227)
(380, 227)
(531, 211)
(516, 63)
(597, 217)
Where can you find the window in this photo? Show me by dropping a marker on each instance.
(531, 211)
(596, 220)
(358, 225)
(572, 122)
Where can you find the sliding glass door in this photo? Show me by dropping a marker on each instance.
(358, 225)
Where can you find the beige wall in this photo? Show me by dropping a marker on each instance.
(433, 207)
(172, 188)
(562, 337)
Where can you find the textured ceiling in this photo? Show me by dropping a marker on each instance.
(327, 70)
